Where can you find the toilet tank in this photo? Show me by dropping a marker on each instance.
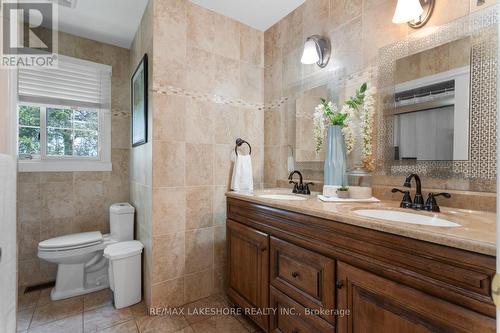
(121, 220)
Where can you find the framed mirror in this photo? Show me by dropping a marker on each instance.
(437, 101)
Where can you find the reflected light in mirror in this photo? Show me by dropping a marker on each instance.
(310, 55)
(407, 11)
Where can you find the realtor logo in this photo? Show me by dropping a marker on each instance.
(29, 34)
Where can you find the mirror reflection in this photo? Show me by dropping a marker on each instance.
(305, 105)
(431, 109)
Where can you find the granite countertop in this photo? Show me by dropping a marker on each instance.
(477, 232)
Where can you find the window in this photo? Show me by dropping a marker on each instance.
(64, 117)
(69, 132)
(72, 132)
(29, 130)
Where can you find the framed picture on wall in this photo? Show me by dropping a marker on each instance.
(139, 93)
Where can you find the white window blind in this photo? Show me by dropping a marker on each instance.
(75, 83)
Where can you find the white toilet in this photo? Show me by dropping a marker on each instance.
(82, 268)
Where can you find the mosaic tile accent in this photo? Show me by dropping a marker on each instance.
(482, 28)
(116, 113)
(276, 104)
(218, 99)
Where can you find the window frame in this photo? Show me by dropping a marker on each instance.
(49, 163)
(66, 163)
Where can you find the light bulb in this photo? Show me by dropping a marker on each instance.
(407, 11)
(310, 55)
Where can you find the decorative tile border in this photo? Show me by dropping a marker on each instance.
(204, 97)
(276, 104)
(117, 113)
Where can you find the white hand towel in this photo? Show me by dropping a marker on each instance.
(242, 180)
(290, 164)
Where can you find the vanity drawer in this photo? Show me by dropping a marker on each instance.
(305, 276)
(291, 317)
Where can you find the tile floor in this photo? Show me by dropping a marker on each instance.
(95, 313)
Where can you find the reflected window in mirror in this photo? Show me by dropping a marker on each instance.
(432, 104)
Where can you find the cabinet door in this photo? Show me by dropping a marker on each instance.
(380, 305)
(248, 267)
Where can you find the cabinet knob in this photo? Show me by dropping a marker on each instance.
(339, 284)
(295, 274)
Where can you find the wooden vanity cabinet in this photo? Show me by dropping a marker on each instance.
(379, 305)
(284, 260)
(248, 267)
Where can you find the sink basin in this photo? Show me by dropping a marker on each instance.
(410, 218)
(282, 197)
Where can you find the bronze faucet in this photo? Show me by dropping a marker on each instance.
(300, 187)
(418, 203)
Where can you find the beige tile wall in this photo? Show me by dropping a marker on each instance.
(140, 161)
(54, 204)
(357, 29)
(193, 142)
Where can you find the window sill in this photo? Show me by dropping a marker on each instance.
(63, 166)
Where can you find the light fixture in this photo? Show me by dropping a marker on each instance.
(414, 12)
(316, 51)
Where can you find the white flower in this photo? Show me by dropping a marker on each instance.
(347, 130)
(319, 127)
(367, 127)
(346, 109)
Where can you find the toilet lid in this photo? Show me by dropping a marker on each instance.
(123, 250)
(81, 239)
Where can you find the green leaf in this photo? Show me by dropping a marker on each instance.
(338, 119)
(29, 115)
(364, 87)
(356, 101)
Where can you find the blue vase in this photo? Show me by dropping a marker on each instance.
(335, 159)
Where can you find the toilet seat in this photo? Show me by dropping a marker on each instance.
(53, 253)
(70, 242)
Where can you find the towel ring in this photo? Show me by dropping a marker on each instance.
(239, 143)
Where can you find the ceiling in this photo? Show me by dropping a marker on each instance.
(259, 14)
(109, 21)
(116, 21)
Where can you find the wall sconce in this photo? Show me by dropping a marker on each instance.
(414, 12)
(317, 50)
